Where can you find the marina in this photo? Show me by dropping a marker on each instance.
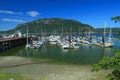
(60, 48)
(63, 51)
(59, 40)
(73, 41)
(64, 41)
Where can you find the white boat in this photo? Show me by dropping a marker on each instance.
(108, 44)
(53, 39)
(85, 41)
(93, 41)
(65, 44)
(37, 44)
(75, 44)
(28, 46)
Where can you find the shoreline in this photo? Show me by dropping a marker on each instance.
(49, 71)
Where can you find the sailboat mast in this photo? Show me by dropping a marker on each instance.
(62, 29)
(110, 34)
(104, 29)
(79, 31)
(27, 34)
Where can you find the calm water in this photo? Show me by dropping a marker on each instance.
(84, 55)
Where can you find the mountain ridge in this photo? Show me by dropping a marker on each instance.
(51, 25)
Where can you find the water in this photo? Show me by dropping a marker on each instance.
(84, 55)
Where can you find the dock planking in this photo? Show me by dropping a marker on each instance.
(8, 43)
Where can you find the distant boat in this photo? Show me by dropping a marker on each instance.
(66, 45)
(36, 44)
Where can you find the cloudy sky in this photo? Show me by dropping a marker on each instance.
(92, 12)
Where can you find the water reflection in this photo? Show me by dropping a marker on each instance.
(86, 54)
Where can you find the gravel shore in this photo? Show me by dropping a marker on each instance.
(8, 61)
(44, 71)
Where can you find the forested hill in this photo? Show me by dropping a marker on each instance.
(101, 30)
(49, 25)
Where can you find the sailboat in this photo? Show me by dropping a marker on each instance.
(108, 43)
(27, 45)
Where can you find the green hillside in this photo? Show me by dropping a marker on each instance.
(50, 25)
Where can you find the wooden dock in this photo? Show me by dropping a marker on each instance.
(8, 43)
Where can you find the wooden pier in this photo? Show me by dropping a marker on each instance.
(8, 43)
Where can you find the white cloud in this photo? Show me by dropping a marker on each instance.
(12, 20)
(33, 13)
(10, 12)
